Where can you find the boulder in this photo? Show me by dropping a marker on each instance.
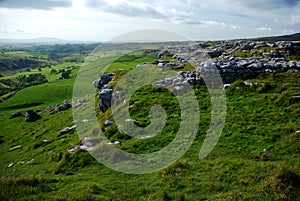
(228, 71)
(96, 83)
(15, 115)
(242, 64)
(214, 53)
(105, 79)
(32, 116)
(68, 129)
(104, 105)
(52, 112)
(247, 47)
(63, 107)
(105, 97)
(292, 64)
(105, 94)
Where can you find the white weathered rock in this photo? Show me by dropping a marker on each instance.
(108, 122)
(68, 129)
(226, 86)
(146, 137)
(16, 147)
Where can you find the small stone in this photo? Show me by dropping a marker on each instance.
(68, 129)
(10, 165)
(30, 161)
(146, 137)
(16, 147)
(108, 122)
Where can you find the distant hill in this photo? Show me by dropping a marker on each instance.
(292, 37)
(37, 41)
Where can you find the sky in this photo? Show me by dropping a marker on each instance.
(101, 20)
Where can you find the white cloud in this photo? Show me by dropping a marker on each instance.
(264, 29)
(103, 19)
(288, 31)
(140, 10)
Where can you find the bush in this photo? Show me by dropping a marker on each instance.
(70, 163)
(284, 184)
(266, 87)
(17, 188)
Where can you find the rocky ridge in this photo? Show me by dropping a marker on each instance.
(233, 59)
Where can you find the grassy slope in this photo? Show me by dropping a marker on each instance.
(43, 95)
(292, 37)
(46, 71)
(257, 118)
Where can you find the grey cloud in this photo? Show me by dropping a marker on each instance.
(138, 9)
(268, 4)
(35, 4)
(291, 2)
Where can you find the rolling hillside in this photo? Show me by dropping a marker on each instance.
(256, 157)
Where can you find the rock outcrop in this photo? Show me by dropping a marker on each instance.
(231, 60)
(105, 94)
(236, 60)
(32, 116)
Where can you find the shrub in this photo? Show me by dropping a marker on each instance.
(282, 185)
(70, 163)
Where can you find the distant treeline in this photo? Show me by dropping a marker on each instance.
(51, 54)
(21, 63)
(57, 52)
(21, 82)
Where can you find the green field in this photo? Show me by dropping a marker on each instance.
(262, 117)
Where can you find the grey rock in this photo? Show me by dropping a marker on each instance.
(15, 115)
(52, 112)
(68, 129)
(105, 97)
(104, 79)
(242, 64)
(214, 53)
(32, 116)
(105, 94)
(247, 46)
(108, 122)
(63, 107)
(228, 71)
(96, 83)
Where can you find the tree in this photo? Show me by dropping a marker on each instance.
(53, 71)
(65, 75)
